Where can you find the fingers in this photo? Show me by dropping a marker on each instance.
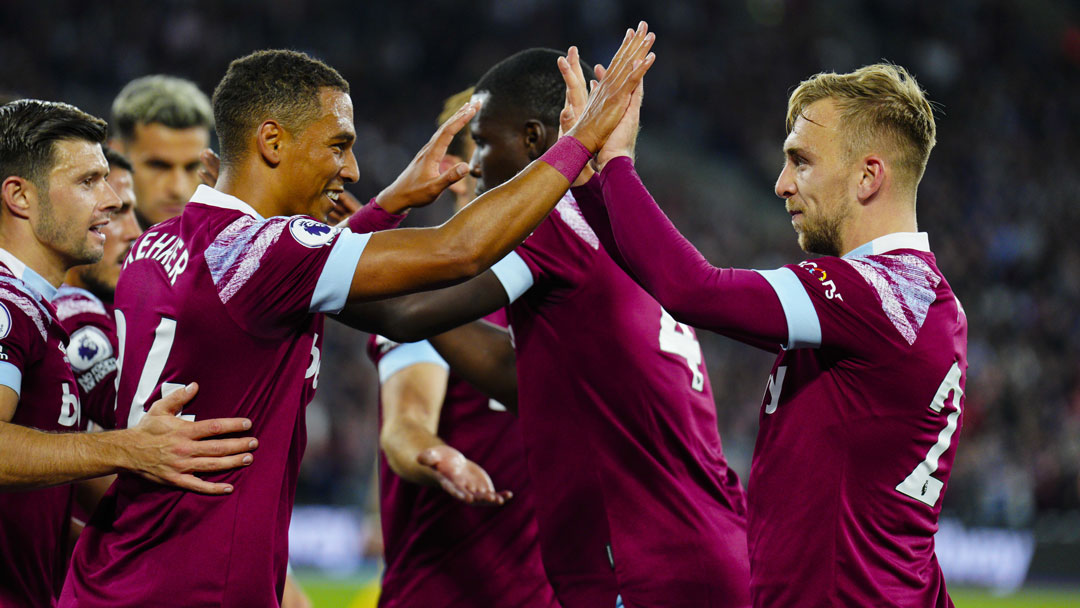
(209, 465)
(450, 176)
(193, 483)
(171, 404)
(446, 132)
(217, 426)
(600, 70)
(211, 167)
(224, 447)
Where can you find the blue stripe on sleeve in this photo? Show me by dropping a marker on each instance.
(514, 274)
(11, 376)
(332, 289)
(804, 327)
(407, 354)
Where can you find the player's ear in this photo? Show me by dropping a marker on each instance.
(268, 140)
(872, 178)
(18, 195)
(535, 136)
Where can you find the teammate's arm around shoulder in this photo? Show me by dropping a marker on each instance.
(402, 261)
(482, 354)
(412, 399)
(162, 447)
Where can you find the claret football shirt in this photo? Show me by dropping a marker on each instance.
(234, 301)
(33, 363)
(92, 351)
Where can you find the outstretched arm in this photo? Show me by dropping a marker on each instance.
(412, 398)
(161, 447)
(403, 261)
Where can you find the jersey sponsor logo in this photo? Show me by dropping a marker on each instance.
(88, 347)
(820, 274)
(311, 233)
(5, 321)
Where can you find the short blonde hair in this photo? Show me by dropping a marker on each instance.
(879, 102)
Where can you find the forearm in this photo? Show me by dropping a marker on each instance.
(481, 354)
(33, 459)
(736, 302)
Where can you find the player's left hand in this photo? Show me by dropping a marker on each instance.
(577, 97)
(623, 139)
(424, 180)
(462, 478)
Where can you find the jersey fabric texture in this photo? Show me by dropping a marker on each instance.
(92, 350)
(440, 551)
(34, 524)
(634, 496)
(233, 301)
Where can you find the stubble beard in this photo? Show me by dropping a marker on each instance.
(822, 237)
(64, 237)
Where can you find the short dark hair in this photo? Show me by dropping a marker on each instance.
(279, 84)
(29, 128)
(171, 101)
(117, 160)
(529, 81)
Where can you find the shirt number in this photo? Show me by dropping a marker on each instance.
(678, 339)
(164, 336)
(920, 484)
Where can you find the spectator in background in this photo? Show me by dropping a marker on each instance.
(161, 123)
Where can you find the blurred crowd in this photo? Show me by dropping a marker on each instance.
(999, 199)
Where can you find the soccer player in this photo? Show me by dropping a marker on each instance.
(859, 422)
(633, 494)
(437, 430)
(54, 204)
(84, 304)
(232, 293)
(162, 123)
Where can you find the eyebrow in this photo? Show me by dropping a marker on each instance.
(344, 136)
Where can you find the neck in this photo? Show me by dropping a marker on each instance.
(877, 220)
(254, 187)
(24, 245)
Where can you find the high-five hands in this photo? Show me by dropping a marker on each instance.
(608, 101)
(462, 478)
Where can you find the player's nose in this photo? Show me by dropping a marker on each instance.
(351, 171)
(110, 200)
(474, 165)
(785, 186)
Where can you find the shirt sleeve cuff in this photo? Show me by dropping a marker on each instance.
(514, 274)
(804, 327)
(332, 289)
(11, 376)
(406, 355)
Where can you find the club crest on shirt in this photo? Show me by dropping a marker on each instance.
(5, 321)
(311, 233)
(88, 346)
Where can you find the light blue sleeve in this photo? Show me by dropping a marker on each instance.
(514, 274)
(407, 354)
(332, 289)
(11, 376)
(804, 327)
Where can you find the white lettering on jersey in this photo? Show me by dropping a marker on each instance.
(920, 484)
(774, 388)
(678, 339)
(70, 411)
(316, 362)
(165, 249)
(826, 282)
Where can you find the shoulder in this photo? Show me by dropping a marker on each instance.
(73, 302)
(20, 305)
(902, 285)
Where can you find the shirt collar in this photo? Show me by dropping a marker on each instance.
(27, 275)
(206, 195)
(891, 242)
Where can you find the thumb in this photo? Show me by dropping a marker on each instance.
(171, 404)
(429, 457)
(452, 175)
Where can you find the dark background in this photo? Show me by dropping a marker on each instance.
(1000, 199)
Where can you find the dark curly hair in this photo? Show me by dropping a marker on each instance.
(529, 82)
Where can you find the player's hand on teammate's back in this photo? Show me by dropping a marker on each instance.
(424, 179)
(608, 102)
(169, 450)
(462, 478)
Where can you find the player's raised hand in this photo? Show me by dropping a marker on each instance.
(462, 478)
(608, 102)
(623, 139)
(577, 96)
(169, 450)
(424, 179)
